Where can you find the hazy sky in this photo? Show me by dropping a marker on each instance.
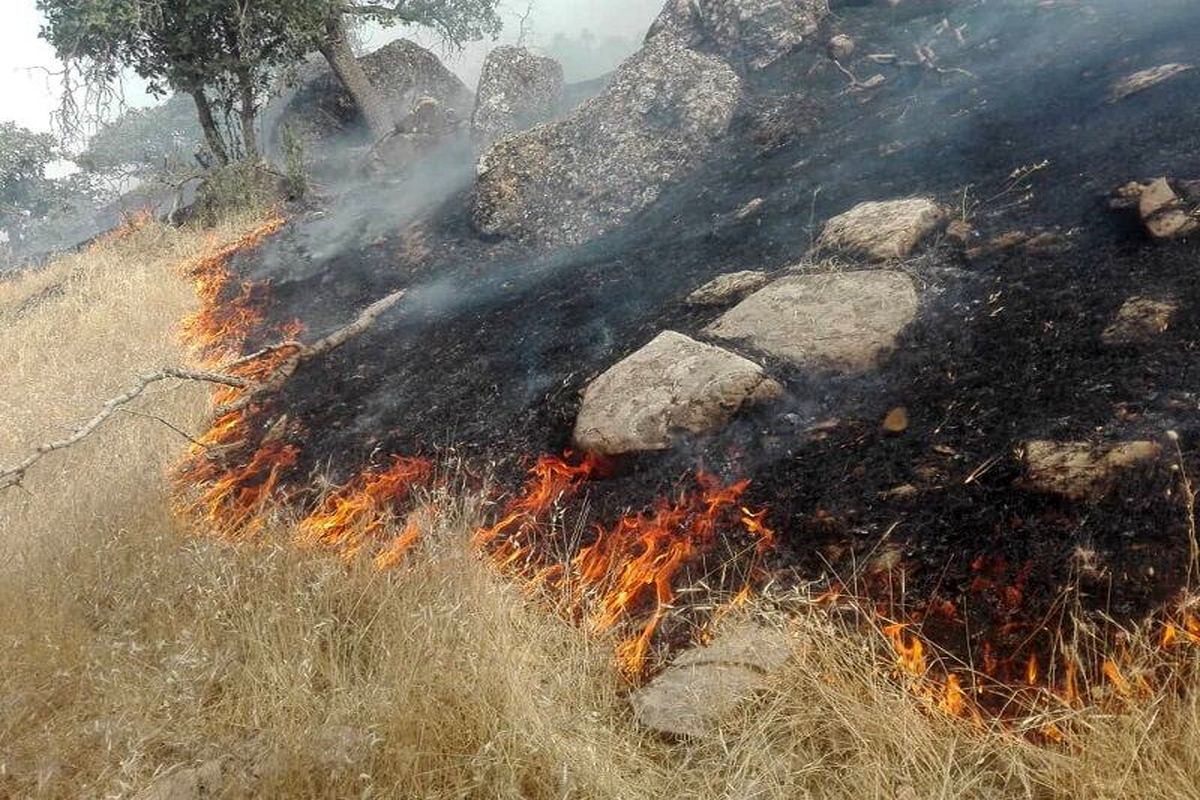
(28, 95)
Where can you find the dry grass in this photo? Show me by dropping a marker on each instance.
(128, 649)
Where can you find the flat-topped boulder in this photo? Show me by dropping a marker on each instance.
(517, 90)
(1140, 319)
(757, 32)
(672, 386)
(569, 181)
(844, 322)
(884, 231)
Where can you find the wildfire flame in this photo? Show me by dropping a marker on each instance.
(353, 518)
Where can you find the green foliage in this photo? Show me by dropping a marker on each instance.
(24, 156)
(239, 187)
(294, 167)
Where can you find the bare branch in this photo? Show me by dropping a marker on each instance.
(12, 476)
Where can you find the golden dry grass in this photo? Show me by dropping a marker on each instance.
(129, 650)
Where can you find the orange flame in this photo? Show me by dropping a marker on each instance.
(910, 652)
(351, 519)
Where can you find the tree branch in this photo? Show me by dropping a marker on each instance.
(12, 476)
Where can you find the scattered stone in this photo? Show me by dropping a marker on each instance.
(1083, 471)
(671, 386)
(960, 232)
(843, 322)
(896, 421)
(751, 209)
(517, 90)
(905, 491)
(884, 230)
(841, 47)
(1140, 319)
(758, 32)
(1164, 212)
(198, 783)
(726, 289)
(1147, 78)
(1034, 242)
(706, 684)
(566, 182)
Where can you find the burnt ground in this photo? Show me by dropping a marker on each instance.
(488, 354)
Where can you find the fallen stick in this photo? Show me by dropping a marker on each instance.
(275, 381)
(12, 476)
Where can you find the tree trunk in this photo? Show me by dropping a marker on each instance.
(209, 124)
(340, 55)
(248, 114)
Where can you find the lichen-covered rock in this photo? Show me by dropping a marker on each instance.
(844, 322)
(517, 90)
(1080, 470)
(758, 32)
(566, 182)
(884, 230)
(671, 386)
(725, 289)
(321, 113)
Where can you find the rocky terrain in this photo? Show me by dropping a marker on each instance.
(921, 272)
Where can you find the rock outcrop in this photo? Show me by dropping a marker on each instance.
(1165, 213)
(321, 113)
(705, 684)
(566, 182)
(755, 32)
(517, 90)
(1082, 471)
(671, 386)
(884, 230)
(844, 322)
(1147, 78)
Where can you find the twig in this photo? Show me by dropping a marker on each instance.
(12, 476)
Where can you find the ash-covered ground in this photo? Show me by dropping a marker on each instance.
(489, 352)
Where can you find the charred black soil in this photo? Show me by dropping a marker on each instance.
(488, 354)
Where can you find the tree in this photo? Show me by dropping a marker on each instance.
(25, 192)
(328, 24)
(219, 52)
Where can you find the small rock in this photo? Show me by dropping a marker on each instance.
(1140, 319)
(671, 386)
(896, 421)
(706, 684)
(841, 47)
(1163, 212)
(1082, 471)
(903, 492)
(751, 209)
(884, 230)
(843, 321)
(727, 289)
(198, 783)
(1143, 80)
(960, 231)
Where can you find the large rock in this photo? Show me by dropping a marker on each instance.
(672, 385)
(1083, 471)
(569, 181)
(322, 114)
(884, 230)
(706, 684)
(758, 32)
(843, 322)
(517, 90)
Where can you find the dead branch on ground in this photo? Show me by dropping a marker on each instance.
(273, 382)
